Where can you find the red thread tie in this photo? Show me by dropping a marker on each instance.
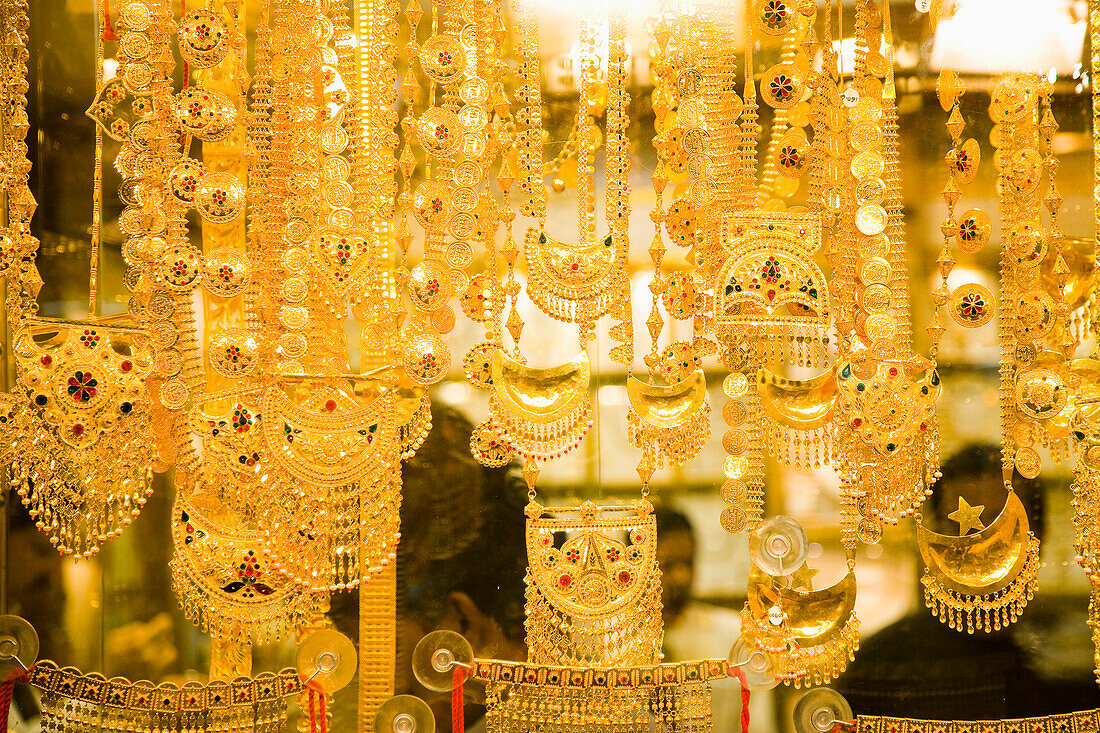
(844, 726)
(746, 694)
(324, 715)
(458, 717)
(108, 29)
(7, 687)
(186, 66)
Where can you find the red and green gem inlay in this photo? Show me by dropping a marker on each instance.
(968, 230)
(790, 157)
(775, 13)
(83, 386)
(782, 87)
(972, 306)
(89, 338)
(962, 161)
(242, 419)
(249, 573)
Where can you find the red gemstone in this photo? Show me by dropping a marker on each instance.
(857, 422)
(126, 365)
(893, 371)
(330, 405)
(78, 429)
(46, 360)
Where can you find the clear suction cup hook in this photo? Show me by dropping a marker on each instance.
(327, 660)
(435, 657)
(819, 710)
(18, 644)
(757, 666)
(404, 714)
(779, 546)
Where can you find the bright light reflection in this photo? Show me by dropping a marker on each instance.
(993, 36)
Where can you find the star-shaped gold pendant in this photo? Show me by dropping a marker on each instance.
(968, 517)
(803, 578)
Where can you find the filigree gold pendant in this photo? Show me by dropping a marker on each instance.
(981, 581)
(810, 635)
(574, 283)
(671, 424)
(768, 291)
(886, 424)
(540, 414)
(800, 412)
(221, 574)
(593, 599)
(81, 438)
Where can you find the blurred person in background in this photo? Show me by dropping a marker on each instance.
(919, 667)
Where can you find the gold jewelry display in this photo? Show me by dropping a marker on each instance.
(810, 634)
(74, 701)
(579, 283)
(1079, 722)
(271, 198)
(83, 444)
(981, 581)
(594, 633)
(594, 600)
(970, 305)
(770, 299)
(805, 636)
(669, 422)
(882, 384)
(80, 415)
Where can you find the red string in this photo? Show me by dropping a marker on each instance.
(746, 694)
(312, 710)
(108, 29)
(844, 726)
(186, 66)
(324, 715)
(458, 717)
(7, 687)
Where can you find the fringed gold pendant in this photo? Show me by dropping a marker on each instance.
(670, 424)
(335, 458)
(574, 283)
(810, 636)
(414, 420)
(78, 430)
(769, 293)
(220, 572)
(539, 414)
(800, 413)
(327, 438)
(981, 581)
(593, 599)
(887, 432)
